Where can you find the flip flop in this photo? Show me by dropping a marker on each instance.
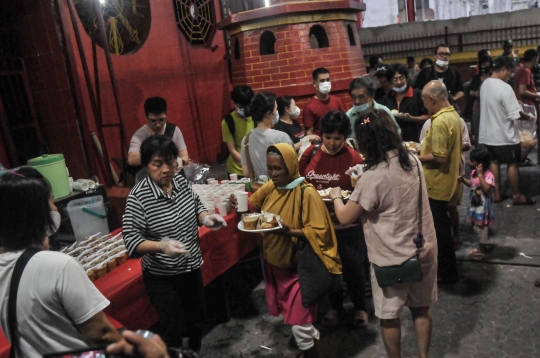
(477, 255)
(528, 201)
(503, 198)
(331, 319)
(360, 319)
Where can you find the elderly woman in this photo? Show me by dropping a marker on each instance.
(161, 225)
(407, 101)
(386, 199)
(57, 308)
(362, 92)
(264, 111)
(282, 196)
(324, 166)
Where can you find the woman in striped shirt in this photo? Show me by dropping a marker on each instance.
(161, 225)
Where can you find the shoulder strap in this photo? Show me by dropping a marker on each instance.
(230, 123)
(12, 300)
(419, 239)
(248, 157)
(169, 129)
(313, 152)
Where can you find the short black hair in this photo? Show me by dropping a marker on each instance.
(503, 62)
(319, 71)
(424, 61)
(25, 215)
(374, 60)
(261, 104)
(283, 102)
(485, 59)
(159, 145)
(440, 45)
(155, 105)
(336, 121)
(481, 156)
(483, 52)
(410, 59)
(363, 82)
(242, 95)
(530, 55)
(398, 68)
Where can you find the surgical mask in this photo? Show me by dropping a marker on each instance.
(295, 113)
(441, 63)
(325, 87)
(292, 184)
(485, 70)
(56, 218)
(361, 108)
(240, 111)
(276, 120)
(400, 89)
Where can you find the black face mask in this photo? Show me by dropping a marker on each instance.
(485, 70)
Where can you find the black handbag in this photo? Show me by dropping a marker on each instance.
(411, 270)
(314, 278)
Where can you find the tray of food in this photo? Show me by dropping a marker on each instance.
(325, 194)
(412, 147)
(260, 223)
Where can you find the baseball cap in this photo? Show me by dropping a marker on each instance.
(382, 70)
(508, 43)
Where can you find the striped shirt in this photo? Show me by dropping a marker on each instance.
(153, 215)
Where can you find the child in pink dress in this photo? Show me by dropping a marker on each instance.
(480, 213)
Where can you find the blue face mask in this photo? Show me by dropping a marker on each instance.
(362, 108)
(293, 184)
(276, 120)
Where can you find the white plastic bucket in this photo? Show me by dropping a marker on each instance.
(88, 217)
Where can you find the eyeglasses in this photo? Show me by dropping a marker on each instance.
(157, 120)
(396, 79)
(444, 54)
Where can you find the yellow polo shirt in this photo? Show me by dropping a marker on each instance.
(443, 139)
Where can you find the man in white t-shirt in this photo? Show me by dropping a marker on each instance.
(155, 109)
(499, 113)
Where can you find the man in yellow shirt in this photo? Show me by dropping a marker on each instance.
(236, 126)
(440, 155)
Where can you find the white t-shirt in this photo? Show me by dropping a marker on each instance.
(54, 295)
(499, 111)
(259, 140)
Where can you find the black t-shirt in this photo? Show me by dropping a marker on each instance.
(412, 104)
(379, 94)
(451, 79)
(294, 130)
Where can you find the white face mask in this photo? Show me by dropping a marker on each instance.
(295, 112)
(56, 218)
(325, 87)
(400, 89)
(442, 63)
(240, 111)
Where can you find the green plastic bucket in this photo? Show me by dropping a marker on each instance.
(53, 167)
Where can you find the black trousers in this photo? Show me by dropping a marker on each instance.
(447, 266)
(351, 248)
(180, 303)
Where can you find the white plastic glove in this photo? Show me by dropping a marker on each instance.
(214, 221)
(172, 248)
(355, 171)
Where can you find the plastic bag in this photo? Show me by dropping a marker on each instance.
(527, 131)
(196, 173)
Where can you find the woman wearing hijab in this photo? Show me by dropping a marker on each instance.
(282, 196)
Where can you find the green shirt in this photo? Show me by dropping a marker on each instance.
(443, 139)
(242, 128)
(352, 114)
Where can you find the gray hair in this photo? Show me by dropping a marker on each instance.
(363, 82)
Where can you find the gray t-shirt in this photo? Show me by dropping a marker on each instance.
(141, 134)
(259, 140)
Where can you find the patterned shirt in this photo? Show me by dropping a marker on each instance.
(153, 215)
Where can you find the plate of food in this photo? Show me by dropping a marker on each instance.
(325, 194)
(260, 222)
(412, 147)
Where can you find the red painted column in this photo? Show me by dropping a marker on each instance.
(411, 13)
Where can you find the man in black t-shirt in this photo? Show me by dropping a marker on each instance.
(448, 75)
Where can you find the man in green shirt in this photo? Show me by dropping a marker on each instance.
(440, 155)
(236, 126)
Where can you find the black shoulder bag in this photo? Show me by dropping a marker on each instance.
(12, 300)
(410, 270)
(314, 278)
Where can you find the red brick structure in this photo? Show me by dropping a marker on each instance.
(276, 48)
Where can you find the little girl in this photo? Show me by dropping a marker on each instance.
(480, 211)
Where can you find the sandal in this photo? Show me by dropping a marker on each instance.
(528, 201)
(360, 319)
(503, 198)
(331, 318)
(477, 255)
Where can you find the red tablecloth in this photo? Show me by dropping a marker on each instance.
(125, 289)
